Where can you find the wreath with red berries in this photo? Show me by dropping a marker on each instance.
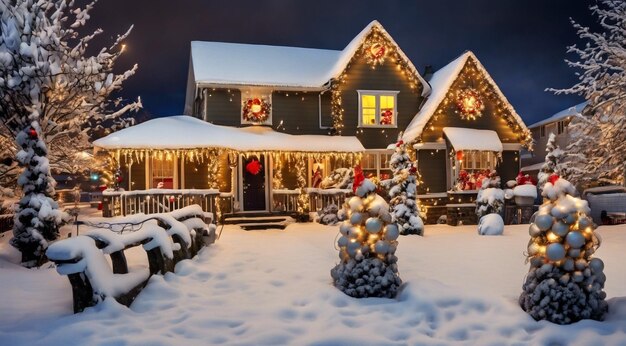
(256, 110)
(469, 104)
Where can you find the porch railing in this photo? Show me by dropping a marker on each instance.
(122, 203)
(287, 200)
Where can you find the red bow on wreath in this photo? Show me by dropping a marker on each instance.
(253, 167)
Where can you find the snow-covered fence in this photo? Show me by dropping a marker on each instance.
(167, 239)
(115, 203)
(321, 198)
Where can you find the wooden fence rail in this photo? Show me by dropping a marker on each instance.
(167, 239)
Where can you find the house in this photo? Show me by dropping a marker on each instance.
(264, 124)
(558, 124)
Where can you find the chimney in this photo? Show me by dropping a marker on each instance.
(428, 72)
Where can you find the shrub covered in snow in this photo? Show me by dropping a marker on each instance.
(491, 224)
(553, 161)
(565, 283)
(340, 178)
(402, 189)
(490, 198)
(328, 215)
(367, 246)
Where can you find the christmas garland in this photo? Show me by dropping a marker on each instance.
(469, 104)
(256, 110)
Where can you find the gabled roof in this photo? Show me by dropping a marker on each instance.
(185, 132)
(233, 64)
(577, 109)
(440, 83)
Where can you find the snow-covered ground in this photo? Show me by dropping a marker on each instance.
(274, 287)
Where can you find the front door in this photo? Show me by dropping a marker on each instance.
(253, 181)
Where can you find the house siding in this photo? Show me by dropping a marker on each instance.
(432, 167)
(299, 112)
(361, 76)
(223, 107)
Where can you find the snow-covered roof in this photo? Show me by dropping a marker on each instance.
(577, 109)
(533, 167)
(221, 63)
(471, 139)
(185, 132)
(440, 82)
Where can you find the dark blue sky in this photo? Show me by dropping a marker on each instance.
(522, 43)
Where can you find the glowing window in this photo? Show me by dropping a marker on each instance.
(162, 173)
(377, 108)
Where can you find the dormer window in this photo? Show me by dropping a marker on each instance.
(378, 108)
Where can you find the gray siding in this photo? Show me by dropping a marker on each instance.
(432, 166)
(299, 112)
(360, 76)
(223, 107)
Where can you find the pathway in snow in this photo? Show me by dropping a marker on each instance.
(274, 287)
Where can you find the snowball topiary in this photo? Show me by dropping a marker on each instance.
(490, 200)
(564, 283)
(367, 245)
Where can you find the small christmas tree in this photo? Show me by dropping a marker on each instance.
(490, 199)
(564, 283)
(403, 190)
(553, 161)
(367, 245)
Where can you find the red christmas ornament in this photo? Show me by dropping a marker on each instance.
(172, 199)
(32, 133)
(253, 167)
(400, 142)
(459, 155)
(413, 170)
(358, 178)
(553, 178)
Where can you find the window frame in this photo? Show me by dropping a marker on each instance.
(377, 94)
(154, 168)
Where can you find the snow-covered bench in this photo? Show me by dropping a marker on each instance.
(167, 239)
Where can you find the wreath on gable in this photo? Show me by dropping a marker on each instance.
(375, 51)
(256, 110)
(469, 104)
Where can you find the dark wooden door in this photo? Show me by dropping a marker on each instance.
(254, 183)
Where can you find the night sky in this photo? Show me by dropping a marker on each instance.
(521, 43)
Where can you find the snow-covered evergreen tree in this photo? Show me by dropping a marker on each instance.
(490, 198)
(553, 161)
(51, 91)
(367, 245)
(598, 145)
(565, 283)
(402, 189)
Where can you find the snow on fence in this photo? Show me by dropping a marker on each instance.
(167, 239)
(115, 203)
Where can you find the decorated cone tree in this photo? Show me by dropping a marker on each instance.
(367, 246)
(490, 205)
(553, 161)
(565, 283)
(403, 190)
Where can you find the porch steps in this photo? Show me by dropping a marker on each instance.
(262, 222)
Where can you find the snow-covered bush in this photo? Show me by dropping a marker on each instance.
(402, 190)
(491, 224)
(490, 198)
(328, 215)
(565, 283)
(51, 93)
(367, 246)
(340, 178)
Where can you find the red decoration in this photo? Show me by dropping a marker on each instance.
(254, 167)
(256, 110)
(469, 104)
(400, 142)
(32, 133)
(553, 178)
(413, 170)
(358, 178)
(386, 117)
(172, 199)
(100, 206)
(459, 155)
(375, 50)
(525, 179)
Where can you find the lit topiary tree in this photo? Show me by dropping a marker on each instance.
(367, 245)
(403, 191)
(564, 283)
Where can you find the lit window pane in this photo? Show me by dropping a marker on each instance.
(387, 101)
(387, 105)
(369, 116)
(368, 101)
